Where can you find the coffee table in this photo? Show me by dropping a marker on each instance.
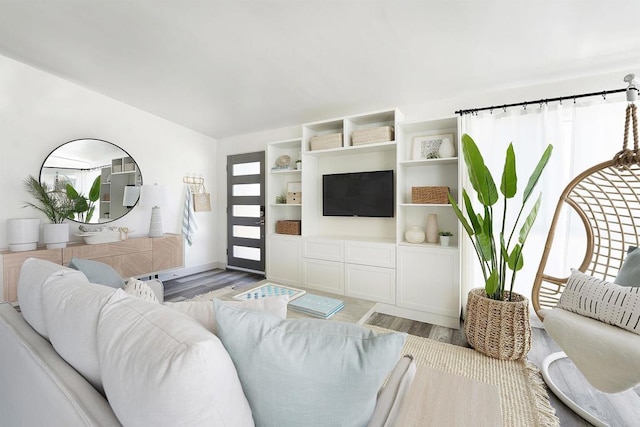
(355, 310)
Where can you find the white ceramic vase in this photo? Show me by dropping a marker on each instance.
(55, 235)
(446, 149)
(23, 234)
(414, 234)
(432, 228)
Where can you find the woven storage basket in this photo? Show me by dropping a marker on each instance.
(288, 226)
(434, 195)
(499, 329)
(371, 136)
(324, 142)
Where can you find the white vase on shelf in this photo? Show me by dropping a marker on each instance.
(55, 235)
(446, 149)
(414, 234)
(432, 228)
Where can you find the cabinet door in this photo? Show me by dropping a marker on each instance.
(326, 249)
(371, 283)
(370, 253)
(428, 280)
(323, 275)
(283, 260)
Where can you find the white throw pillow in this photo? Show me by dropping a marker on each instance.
(33, 275)
(161, 368)
(601, 300)
(71, 308)
(140, 289)
(204, 312)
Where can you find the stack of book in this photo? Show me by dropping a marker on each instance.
(317, 305)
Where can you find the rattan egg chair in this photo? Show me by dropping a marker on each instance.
(606, 198)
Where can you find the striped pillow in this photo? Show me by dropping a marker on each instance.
(601, 300)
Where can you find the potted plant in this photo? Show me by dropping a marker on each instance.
(497, 319)
(56, 206)
(445, 237)
(84, 206)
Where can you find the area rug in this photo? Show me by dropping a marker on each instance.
(523, 396)
(216, 293)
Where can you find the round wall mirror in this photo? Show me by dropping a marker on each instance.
(100, 173)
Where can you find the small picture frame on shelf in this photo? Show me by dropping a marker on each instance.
(427, 146)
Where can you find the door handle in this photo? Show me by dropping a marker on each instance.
(261, 222)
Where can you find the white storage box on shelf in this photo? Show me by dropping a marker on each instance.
(372, 135)
(324, 142)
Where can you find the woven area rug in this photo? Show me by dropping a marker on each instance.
(523, 396)
(213, 294)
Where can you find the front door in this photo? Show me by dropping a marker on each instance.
(245, 212)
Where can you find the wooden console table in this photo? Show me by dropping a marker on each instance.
(134, 257)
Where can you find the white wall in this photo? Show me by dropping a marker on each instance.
(39, 111)
(433, 109)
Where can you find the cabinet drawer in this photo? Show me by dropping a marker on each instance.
(323, 275)
(326, 249)
(103, 250)
(366, 253)
(371, 283)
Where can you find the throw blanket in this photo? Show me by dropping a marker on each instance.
(189, 224)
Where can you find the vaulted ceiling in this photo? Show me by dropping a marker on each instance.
(227, 67)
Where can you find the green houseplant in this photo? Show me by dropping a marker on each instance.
(57, 207)
(84, 206)
(500, 253)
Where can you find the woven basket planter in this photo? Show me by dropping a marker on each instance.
(499, 329)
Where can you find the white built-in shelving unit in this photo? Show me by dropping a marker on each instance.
(368, 257)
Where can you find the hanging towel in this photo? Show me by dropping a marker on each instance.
(189, 224)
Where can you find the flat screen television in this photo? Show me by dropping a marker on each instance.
(364, 194)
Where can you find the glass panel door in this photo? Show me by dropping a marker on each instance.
(245, 212)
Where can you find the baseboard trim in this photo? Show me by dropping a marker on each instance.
(418, 316)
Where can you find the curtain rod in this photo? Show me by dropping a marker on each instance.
(604, 93)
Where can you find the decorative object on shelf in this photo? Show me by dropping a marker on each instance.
(294, 193)
(415, 234)
(445, 238)
(432, 228)
(283, 162)
(372, 135)
(289, 226)
(153, 196)
(324, 142)
(281, 199)
(447, 148)
(430, 195)
(428, 146)
(493, 251)
(498, 328)
(23, 234)
(94, 235)
(299, 164)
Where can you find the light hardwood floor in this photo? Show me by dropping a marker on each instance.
(621, 410)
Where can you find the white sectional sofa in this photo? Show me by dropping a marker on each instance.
(83, 354)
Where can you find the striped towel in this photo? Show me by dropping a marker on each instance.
(189, 224)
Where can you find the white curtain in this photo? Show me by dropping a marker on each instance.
(582, 134)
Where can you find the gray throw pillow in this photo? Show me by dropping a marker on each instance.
(629, 274)
(97, 272)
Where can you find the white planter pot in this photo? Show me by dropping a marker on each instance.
(23, 234)
(444, 240)
(55, 235)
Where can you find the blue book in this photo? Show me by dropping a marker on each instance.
(317, 305)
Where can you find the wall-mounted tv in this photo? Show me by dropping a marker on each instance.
(364, 194)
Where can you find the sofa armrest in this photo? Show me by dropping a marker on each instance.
(37, 387)
(391, 395)
(157, 287)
